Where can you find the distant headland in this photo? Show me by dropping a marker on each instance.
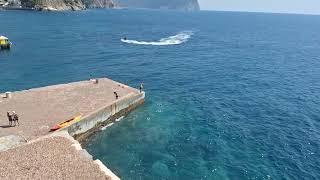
(187, 5)
(74, 5)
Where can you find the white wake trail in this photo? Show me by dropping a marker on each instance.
(180, 38)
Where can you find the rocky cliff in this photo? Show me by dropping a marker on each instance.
(57, 5)
(188, 5)
(54, 4)
(99, 3)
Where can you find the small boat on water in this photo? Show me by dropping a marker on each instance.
(66, 123)
(4, 43)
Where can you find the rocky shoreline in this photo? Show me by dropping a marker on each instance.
(75, 5)
(55, 5)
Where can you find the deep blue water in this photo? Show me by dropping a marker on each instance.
(239, 100)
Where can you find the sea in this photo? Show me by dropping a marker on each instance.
(229, 95)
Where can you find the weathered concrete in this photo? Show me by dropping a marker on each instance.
(105, 115)
(48, 158)
(41, 108)
(84, 153)
(11, 141)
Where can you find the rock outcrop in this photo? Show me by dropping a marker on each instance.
(99, 3)
(57, 5)
(187, 5)
(11, 3)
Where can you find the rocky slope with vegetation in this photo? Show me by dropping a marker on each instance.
(187, 5)
(57, 5)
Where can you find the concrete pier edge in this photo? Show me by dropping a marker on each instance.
(94, 121)
(85, 154)
(80, 131)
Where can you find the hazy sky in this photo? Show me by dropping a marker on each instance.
(283, 6)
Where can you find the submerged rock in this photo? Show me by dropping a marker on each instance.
(160, 169)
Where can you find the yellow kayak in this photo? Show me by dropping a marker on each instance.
(66, 123)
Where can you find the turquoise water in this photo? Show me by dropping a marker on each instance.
(237, 97)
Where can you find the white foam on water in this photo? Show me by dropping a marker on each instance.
(119, 119)
(104, 128)
(180, 38)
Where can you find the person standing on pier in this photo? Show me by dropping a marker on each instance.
(141, 87)
(116, 94)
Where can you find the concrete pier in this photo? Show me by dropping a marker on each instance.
(41, 108)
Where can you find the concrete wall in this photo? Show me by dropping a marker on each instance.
(91, 122)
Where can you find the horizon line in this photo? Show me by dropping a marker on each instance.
(263, 12)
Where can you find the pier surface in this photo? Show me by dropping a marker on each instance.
(50, 158)
(41, 108)
(30, 151)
